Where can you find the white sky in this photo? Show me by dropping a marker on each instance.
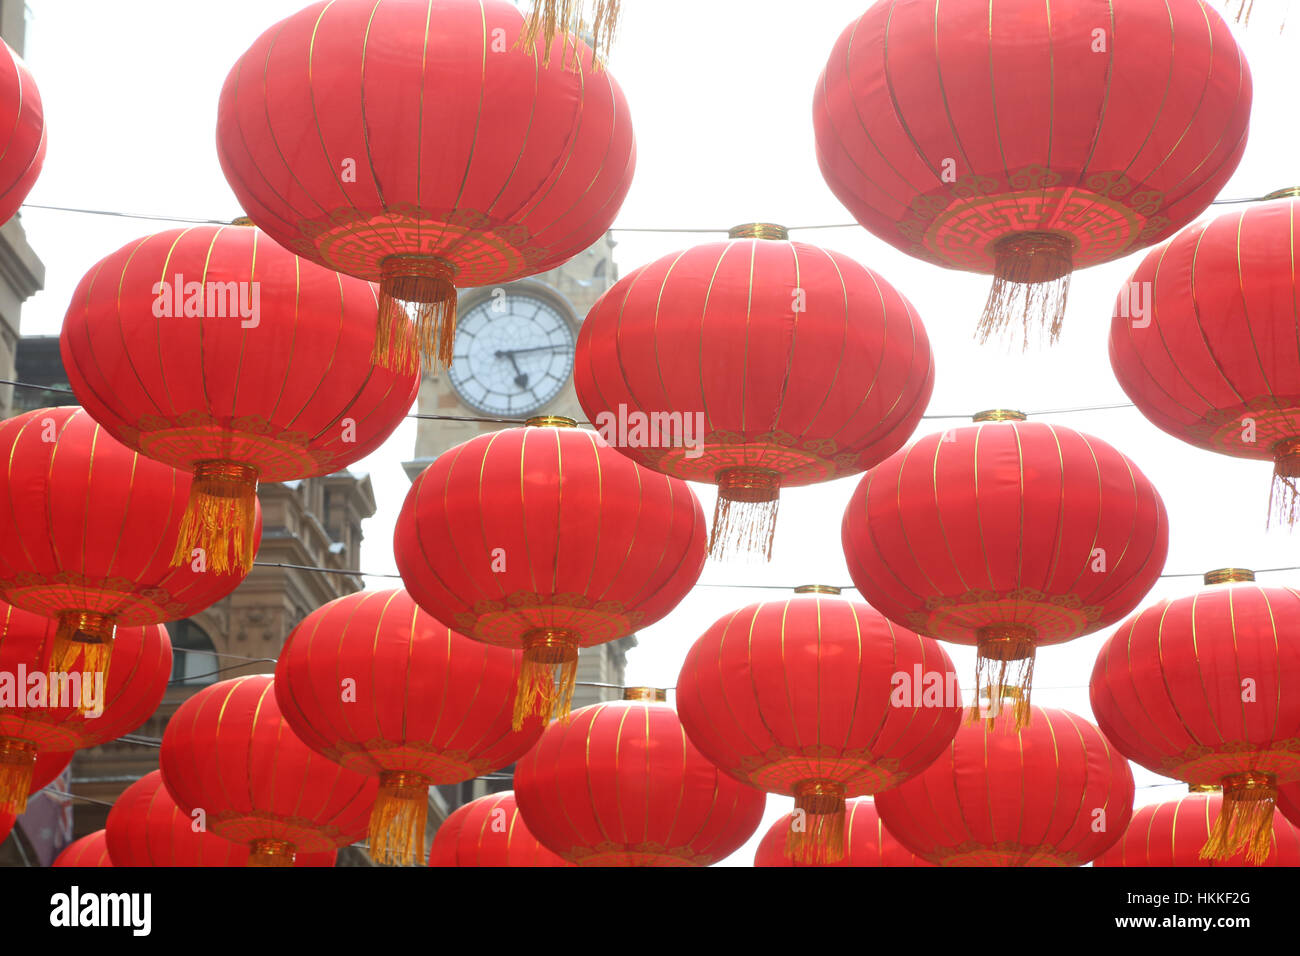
(720, 93)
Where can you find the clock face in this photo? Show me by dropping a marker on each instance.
(514, 352)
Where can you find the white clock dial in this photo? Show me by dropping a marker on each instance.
(513, 355)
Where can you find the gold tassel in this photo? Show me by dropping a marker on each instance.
(398, 819)
(17, 759)
(83, 642)
(1245, 819)
(1031, 281)
(744, 519)
(817, 834)
(270, 853)
(426, 283)
(549, 17)
(1004, 668)
(1284, 497)
(220, 518)
(540, 691)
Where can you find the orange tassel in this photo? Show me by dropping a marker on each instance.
(1004, 669)
(817, 832)
(1031, 285)
(427, 285)
(17, 759)
(83, 643)
(1245, 819)
(398, 819)
(270, 853)
(540, 691)
(744, 519)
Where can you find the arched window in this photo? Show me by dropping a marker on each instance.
(188, 668)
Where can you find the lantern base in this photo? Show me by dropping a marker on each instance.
(270, 853)
(1284, 497)
(1004, 668)
(540, 691)
(398, 819)
(83, 643)
(217, 531)
(427, 284)
(744, 519)
(1245, 819)
(817, 826)
(1031, 284)
(17, 760)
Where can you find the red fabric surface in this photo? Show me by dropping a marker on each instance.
(995, 797)
(805, 689)
(489, 831)
(944, 127)
(293, 393)
(1000, 523)
(22, 117)
(463, 146)
(1172, 834)
(425, 699)
(90, 850)
(869, 843)
(620, 785)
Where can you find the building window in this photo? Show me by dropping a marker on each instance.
(193, 654)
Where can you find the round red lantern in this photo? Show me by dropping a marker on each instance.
(377, 685)
(1203, 340)
(1027, 140)
(546, 538)
(90, 850)
(89, 528)
(489, 831)
(455, 154)
(1172, 834)
(621, 785)
(819, 698)
(833, 375)
(1288, 802)
(228, 751)
(46, 712)
(867, 842)
(216, 351)
(1054, 793)
(146, 828)
(1206, 689)
(23, 122)
(1008, 535)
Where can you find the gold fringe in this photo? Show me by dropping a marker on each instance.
(821, 840)
(1031, 282)
(426, 284)
(398, 819)
(270, 853)
(549, 17)
(220, 518)
(744, 518)
(1004, 668)
(540, 690)
(1245, 819)
(83, 642)
(1284, 497)
(17, 760)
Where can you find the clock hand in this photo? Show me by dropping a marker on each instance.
(521, 377)
(537, 348)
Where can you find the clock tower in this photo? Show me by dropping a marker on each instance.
(514, 360)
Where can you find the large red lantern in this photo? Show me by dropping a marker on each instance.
(214, 350)
(451, 155)
(819, 698)
(1288, 802)
(755, 364)
(1008, 535)
(89, 527)
(1206, 689)
(1172, 833)
(46, 712)
(377, 685)
(146, 828)
(621, 785)
(22, 118)
(1027, 140)
(229, 752)
(90, 850)
(489, 831)
(867, 842)
(1203, 340)
(1054, 793)
(548, 539)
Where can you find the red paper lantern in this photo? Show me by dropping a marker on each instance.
(146, 828)
(1172, 834)
(214, 350)
(22, 117)
(1206, 689)
(1288, 802)
(89, 527)
(377, 685)
(45, 710)
(819, 698)
(449, 156)
(755, 364)
(1203, 340)
(229, 752)
(621, 785)
(1027, 140)
(90, 850)
(549, 540)
(1009, 535)
(489, 831)
(1055, 793)
(867, 842)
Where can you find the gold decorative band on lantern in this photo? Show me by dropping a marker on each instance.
(1031, 284)
(242, 221)
(550, 421)
(220, 518)
(1290, 192)
(270, 853)
(429, 284)
(816, 589)
(652, 694)
(398, 818)
(1204, 788)
(17, 760)
(999, 415)
(1004, 668)
(817, 831)
(540, 691)
(758, 230)
(1245, 820)
(744, 519)
(1228, 575)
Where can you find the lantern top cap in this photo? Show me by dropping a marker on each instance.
(816, 589)
(1289, 192)
(1228, 575)
(758, 230)
(1204, 788)
(652, 694)
(999, 415)
(550, 421)
(242, 221)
